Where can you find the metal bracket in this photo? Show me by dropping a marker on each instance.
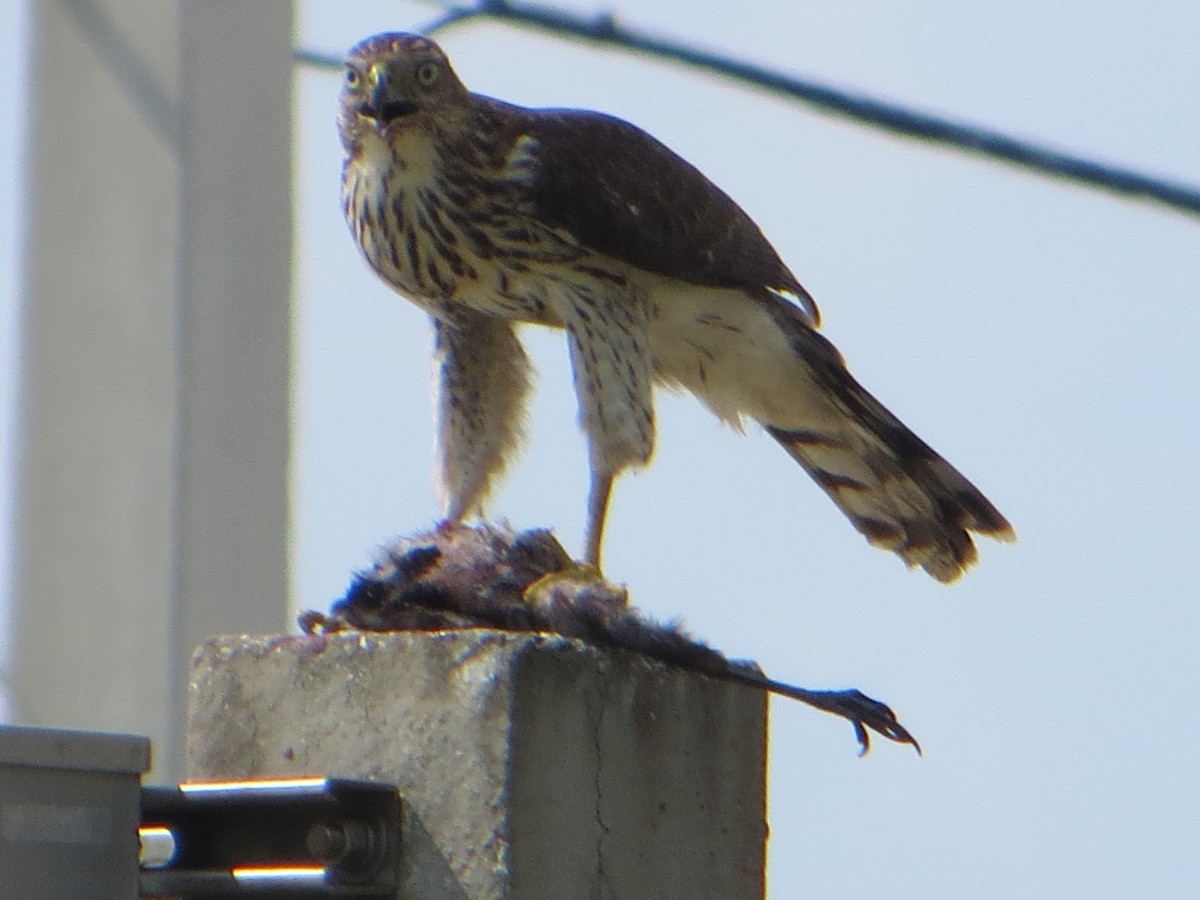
(313, 837)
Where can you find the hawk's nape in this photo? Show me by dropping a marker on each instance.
(486, 214)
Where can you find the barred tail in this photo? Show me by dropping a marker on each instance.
(895, 489)
(756, 355)
(898, 493)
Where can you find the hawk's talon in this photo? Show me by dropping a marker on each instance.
(578, 574)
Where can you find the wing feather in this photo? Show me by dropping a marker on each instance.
(620, 192)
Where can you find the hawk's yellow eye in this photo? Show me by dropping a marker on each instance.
(427, 74)
(352, 78)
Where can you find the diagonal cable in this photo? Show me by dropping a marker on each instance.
(986, 142)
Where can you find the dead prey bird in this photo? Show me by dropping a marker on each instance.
(485, 577)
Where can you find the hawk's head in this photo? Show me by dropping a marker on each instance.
(393, 81)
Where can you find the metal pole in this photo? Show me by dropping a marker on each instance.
(153, 436)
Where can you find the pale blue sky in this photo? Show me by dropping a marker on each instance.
(1041, 336)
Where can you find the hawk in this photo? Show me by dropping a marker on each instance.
(488, 215)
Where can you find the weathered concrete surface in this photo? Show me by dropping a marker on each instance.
(532, 767)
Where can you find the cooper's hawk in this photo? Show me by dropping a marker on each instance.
(487, 215)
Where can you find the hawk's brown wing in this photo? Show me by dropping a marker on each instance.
(622, 193)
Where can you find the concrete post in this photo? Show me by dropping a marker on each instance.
(151, 495)
(531, 766)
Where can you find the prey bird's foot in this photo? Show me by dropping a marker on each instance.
(863, 713)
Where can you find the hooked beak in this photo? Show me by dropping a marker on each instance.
(381, 106)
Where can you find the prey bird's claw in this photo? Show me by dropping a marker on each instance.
(865, 713)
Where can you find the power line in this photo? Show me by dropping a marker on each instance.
(986, 142)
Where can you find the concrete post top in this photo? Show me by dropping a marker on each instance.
(350, 643)
(530, 765)
(424, 659)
